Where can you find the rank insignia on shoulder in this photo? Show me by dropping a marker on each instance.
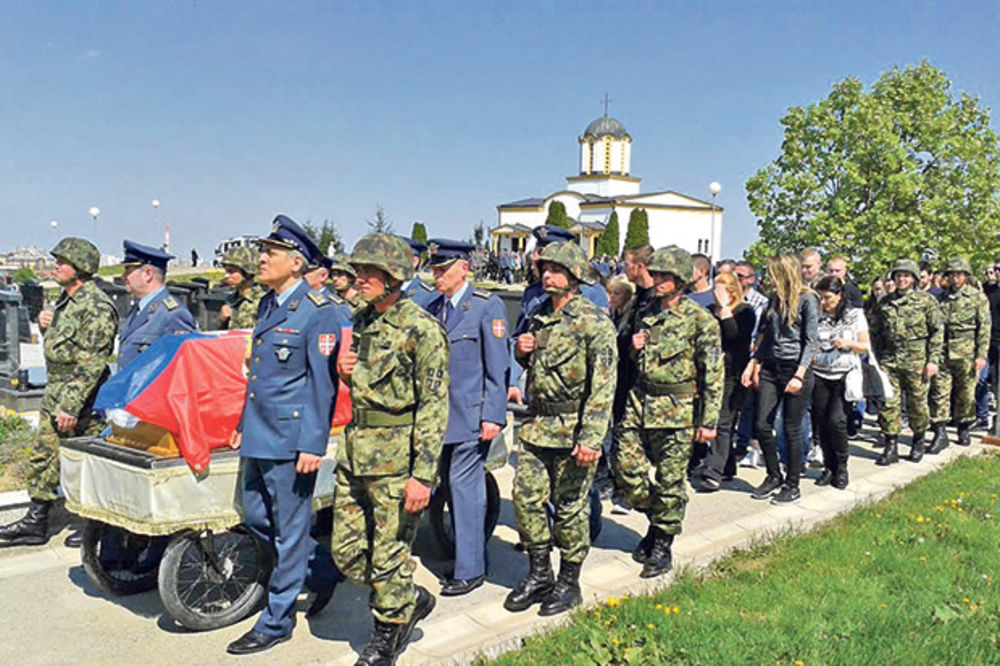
(327, 342)
(317, 298)
(170, 303)
(499, 328)
(481, 293)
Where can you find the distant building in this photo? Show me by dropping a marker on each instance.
(28, 256)
(605, 185)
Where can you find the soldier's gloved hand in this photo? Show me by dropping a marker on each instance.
(585, 455)
(416, 496)
(980, 364)
(705, 434)
(346, 362)
(487, 431)
(45, 319)
(514, 394)
(930, 370)
(307, 463)
(65, 422)
(526, 343)
(639, 340)
(235, 439)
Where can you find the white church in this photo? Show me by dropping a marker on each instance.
(606, 185)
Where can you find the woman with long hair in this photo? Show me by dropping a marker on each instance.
(781, 374)
(843, 337)
(736, 322)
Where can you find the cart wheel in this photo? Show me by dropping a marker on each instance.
(119, 562)
(208, 581)
(443, 524)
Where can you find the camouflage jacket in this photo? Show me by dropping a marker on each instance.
(966, 315)
(244, 307)
(681, 369)
(399, 391)
(571, 375)
(78, 344)
(907, 329)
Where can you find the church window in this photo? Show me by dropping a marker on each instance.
(607, 154)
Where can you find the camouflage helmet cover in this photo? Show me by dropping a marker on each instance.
(242, 258)
(387, 253)
(80, 252)
(958, 265)
(673, 260)
(906, 265)
(570, 256)
(341, 263)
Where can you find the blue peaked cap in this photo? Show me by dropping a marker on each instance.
(286, 233)
(139, 255)
(444, 250)
(415, 246)
(547, 233)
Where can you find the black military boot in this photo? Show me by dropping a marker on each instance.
(32, 529)
(890, 454)
(381, 647)
(917, 448)
(565, 594)
(422, 607)
(964, 437)
(641, 551)
(536, 585)
(940, 442)
(660, 559)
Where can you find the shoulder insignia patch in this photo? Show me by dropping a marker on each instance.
(317, 298)
(171, 303)
(499, 328)
(481, 293)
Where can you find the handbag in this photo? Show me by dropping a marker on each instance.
(878, 389)
(854, 382)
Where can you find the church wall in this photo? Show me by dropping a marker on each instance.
(585, 157)
(691, 230)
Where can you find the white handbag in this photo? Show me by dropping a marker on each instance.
(854, 382)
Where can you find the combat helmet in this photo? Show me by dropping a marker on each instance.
(242, 258)
(80, 252)
(387, 253)
(570, 256)
(341, 263)
(958, 265)
(673, 260)
(907, 265)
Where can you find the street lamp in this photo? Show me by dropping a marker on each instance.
(94, 212)
(713, 188)
(155, 203)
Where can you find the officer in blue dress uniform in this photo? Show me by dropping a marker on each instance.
(283, 432)
(476, 322)
(534, 296)
(155, 313)
(416, 289)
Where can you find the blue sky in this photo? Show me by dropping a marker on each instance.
(232, 112)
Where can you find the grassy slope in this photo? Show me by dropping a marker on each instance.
(910, 580)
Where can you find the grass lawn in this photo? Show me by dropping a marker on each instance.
(909, 580)
(16, 438)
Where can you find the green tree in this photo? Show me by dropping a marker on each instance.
(23, 274)
(607, 242)
(380, 223)
(326, 236)
(419, 232)
(479, 234)
(557, 215)
(905, 169)
(637, 233)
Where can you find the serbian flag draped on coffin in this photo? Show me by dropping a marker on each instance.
(192, 385)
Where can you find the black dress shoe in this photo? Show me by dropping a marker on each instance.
(455, 587)
(254, 641)
(74, 539)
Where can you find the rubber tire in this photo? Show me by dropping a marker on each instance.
(93, 533)
(250, 599)
(441, 522)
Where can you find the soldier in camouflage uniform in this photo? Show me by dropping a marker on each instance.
(674, 403)
(907, 336)
(240, 310)
(398, 376)
(342, 276)
(966, 313)
(570, 357)
(79, 339)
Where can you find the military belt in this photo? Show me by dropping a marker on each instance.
(657, 389)
(376, 418)
(554, 408)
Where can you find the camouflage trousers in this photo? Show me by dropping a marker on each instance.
(909, 380)
(667, 451)
(953, 392)
(43, 464)
(553, 475)
(372, 537)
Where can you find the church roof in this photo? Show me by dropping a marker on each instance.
(533, 202)
(606, 125)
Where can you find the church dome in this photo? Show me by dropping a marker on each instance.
(605, 125)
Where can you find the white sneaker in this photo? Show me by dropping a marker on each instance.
(751, 459)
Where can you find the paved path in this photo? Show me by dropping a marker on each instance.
(51, 614)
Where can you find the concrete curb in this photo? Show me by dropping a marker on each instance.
(15, 499)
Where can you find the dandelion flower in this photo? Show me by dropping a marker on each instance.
(676, 610)
(651, 626)
(883, 606)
